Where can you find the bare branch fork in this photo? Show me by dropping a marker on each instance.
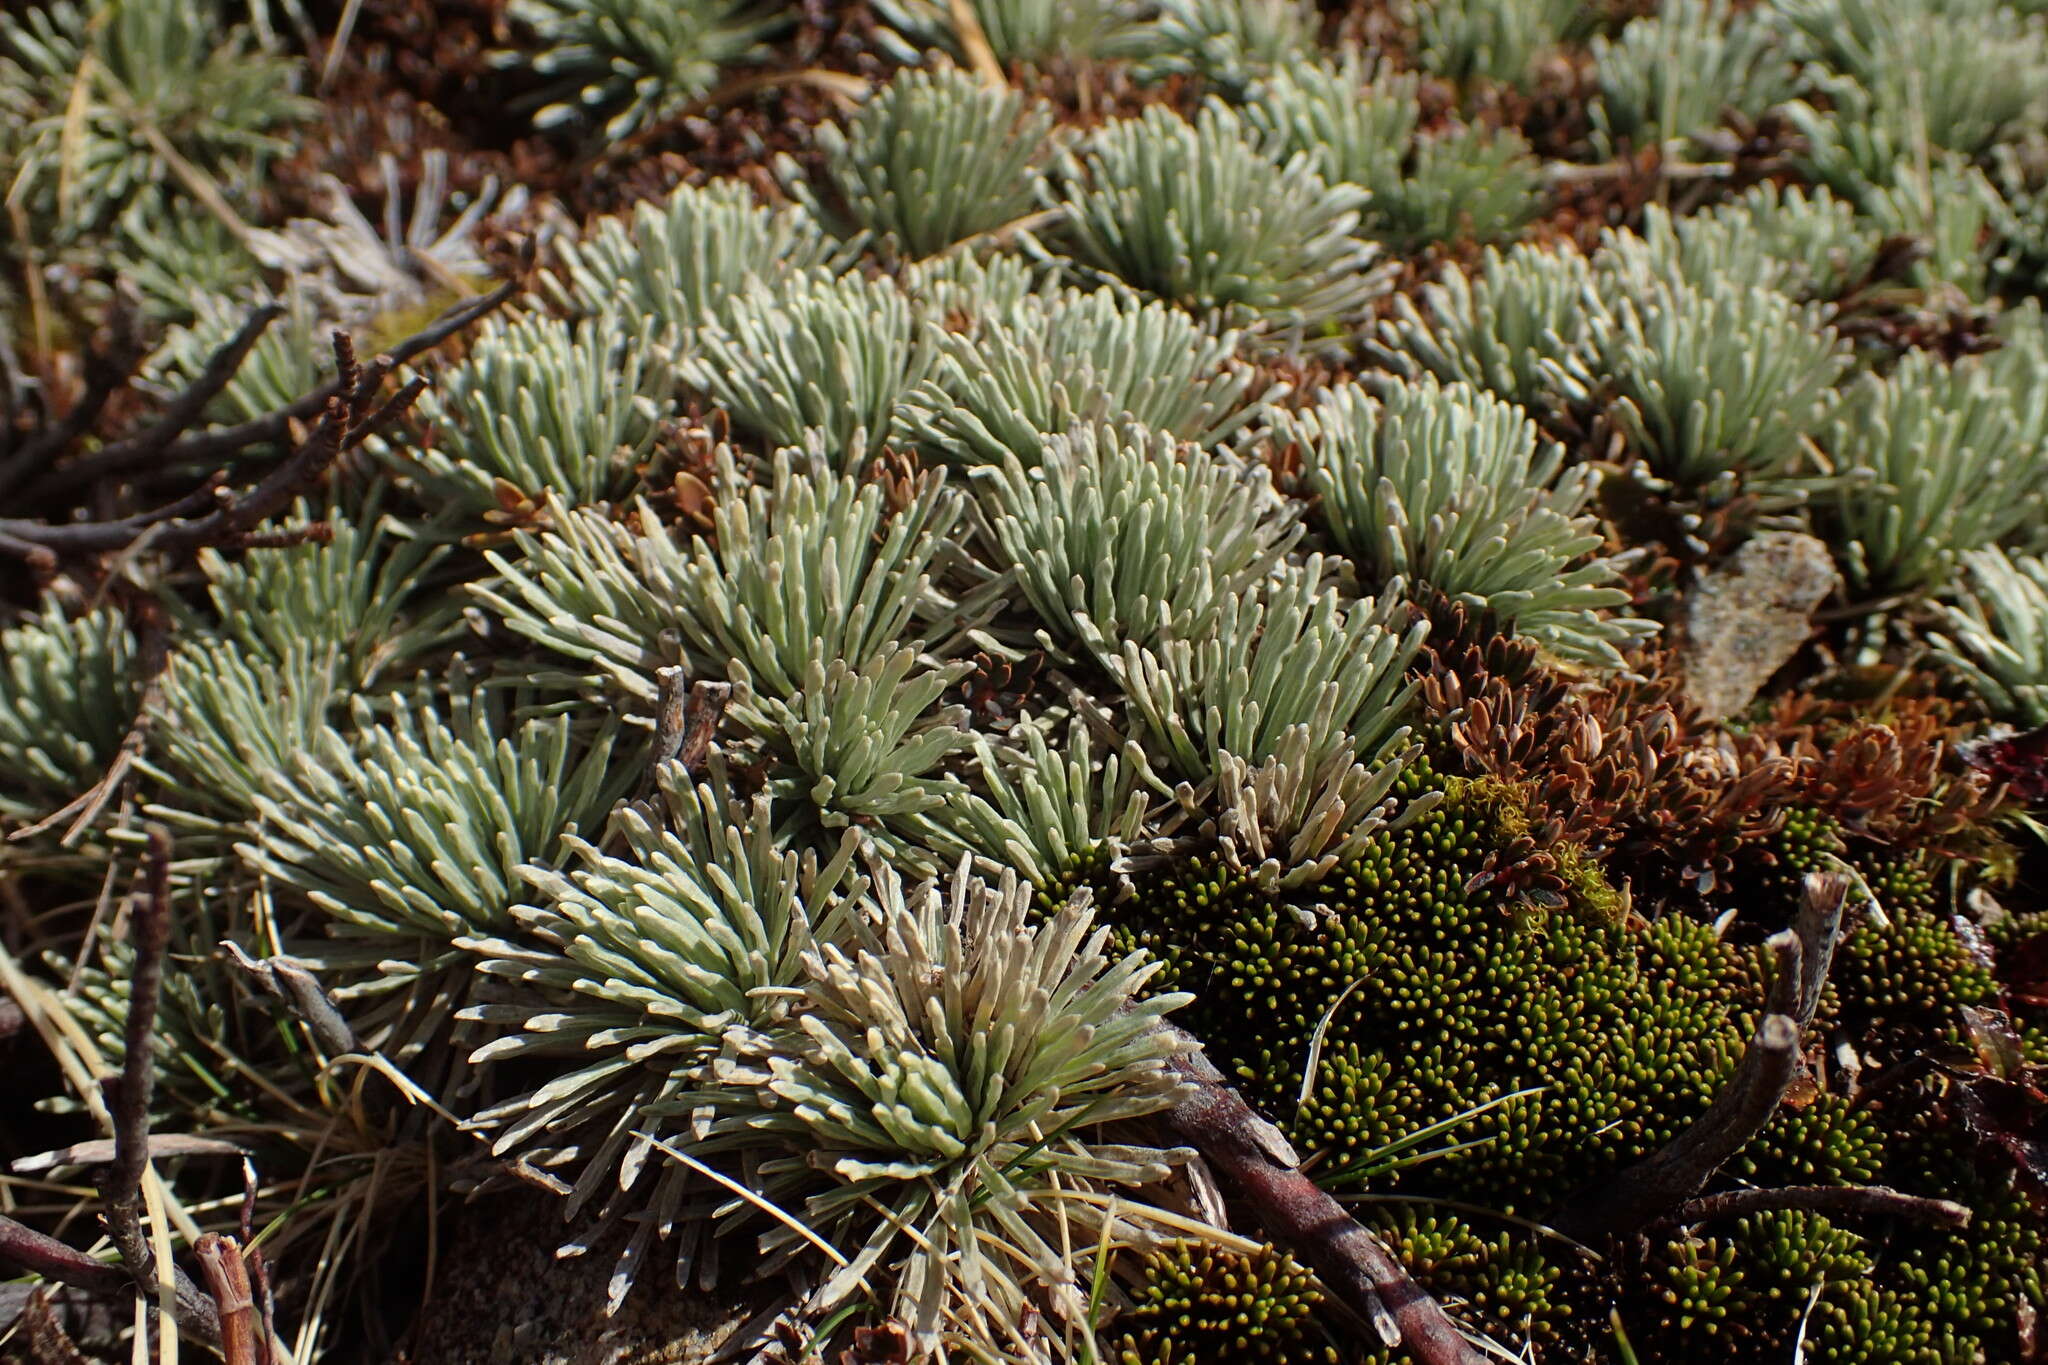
(1658, 1188)
(128, 1097)
(24, 1249)
(227, 1318)
(153, 440)
(1254, 1157)
(128, 1107)
(165, 442)
(350, 415)
(211, 514)
(107, 372)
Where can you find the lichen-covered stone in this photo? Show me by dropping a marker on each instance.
(1747, 618)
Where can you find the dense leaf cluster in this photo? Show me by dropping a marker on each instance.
(994, 525)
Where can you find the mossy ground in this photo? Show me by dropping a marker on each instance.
(1557, 1046)
(1505, 999)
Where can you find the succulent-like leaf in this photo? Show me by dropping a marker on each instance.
(68, 692)
(938, 1078)
(814, 352)
(1055, 362)
(1289, 654)
(933, 158)
(1996, 638)
(1713, 381)
(633, 62)
(1196, 213)
(1944, 459)
(1449, 487)
(410, 831)
(1495, 327)
(541, 406)
(680, 259)
(1353, 118)
(1125, 535)
(1674, 73)
(1499, 39)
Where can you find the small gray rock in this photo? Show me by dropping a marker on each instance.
(1750, 615)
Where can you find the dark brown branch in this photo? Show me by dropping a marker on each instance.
(1251, 1155)
(128, 1100)
(1656, 1187)
(266, 1303)
(128, 1103)
(270, 1347)
(1822, 898)
(240, 515)
(211, 447)
(246, 1221)
(107, 373)
(674, 682)
(1863, 1201)
(179, 414)
(1653, 1188)
(204, 498)
(27, 1250)
(345, 423)
(342, 429)
(40, 558)
(684, 726)
(670, 719)
(214, 445)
